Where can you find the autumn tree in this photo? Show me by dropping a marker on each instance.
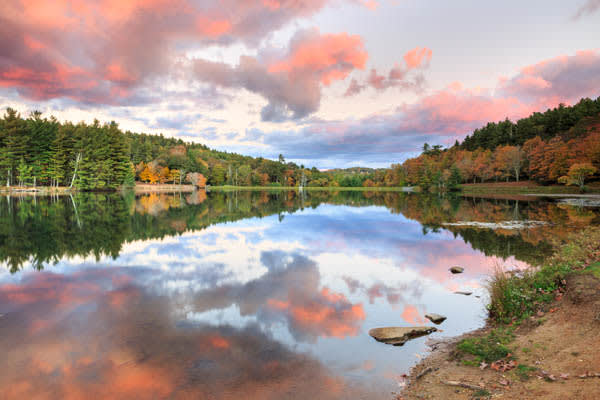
(148, 175)
(577, 175)
(196, 179)
(164, 175)
(175, 176)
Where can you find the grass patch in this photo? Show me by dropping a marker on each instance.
(481, 393)
(523, 188)
(488, 348)
(594, 269)
(523, 372)
(514, 298)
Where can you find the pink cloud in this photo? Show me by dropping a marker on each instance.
(562, 78)
(452, 112)
(370, 4)
(119, 45)
(418, 57)
(456, 110)
(292, 81)
(329, 57)
(399, 75)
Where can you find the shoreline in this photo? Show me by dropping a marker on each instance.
(549, 363)
(487, 190)
(526, 188)
(543, 345)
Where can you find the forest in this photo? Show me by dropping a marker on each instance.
(561, 145)
(558, 146)
(38, 151)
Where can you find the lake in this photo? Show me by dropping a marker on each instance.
(247, 295)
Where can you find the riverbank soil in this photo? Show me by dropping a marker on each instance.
(556, 355)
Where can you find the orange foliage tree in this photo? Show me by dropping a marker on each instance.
(196, 179)
(148, 175)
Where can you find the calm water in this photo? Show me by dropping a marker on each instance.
(249, 295)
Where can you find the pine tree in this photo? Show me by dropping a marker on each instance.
(119, 155)
(15, 141)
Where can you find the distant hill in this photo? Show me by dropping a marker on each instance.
(567, 121)
(560, 145)
(352, 170)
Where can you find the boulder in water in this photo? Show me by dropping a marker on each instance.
(457, 270)
(435, 318)
(397, 335)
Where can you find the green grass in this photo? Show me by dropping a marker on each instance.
(481, 393)
(488, 348)
(524, 189)
(594, 269)
(514, 298)
(523, 372)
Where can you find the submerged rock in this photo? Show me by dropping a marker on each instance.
(435, 318)
(397, 336)
(464, 293)
(457, 270)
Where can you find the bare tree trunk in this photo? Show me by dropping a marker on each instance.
(77, 160)
(75, 209)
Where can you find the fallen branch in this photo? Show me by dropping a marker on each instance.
(589, 375)
(423, 373)
(462, 384)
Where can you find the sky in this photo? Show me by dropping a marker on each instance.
(326, 83)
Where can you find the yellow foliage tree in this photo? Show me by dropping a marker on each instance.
(165, 174)
(578, 173)
(147, 175)
(175, 175)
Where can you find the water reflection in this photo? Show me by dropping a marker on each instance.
(94, 334)
(242, 295)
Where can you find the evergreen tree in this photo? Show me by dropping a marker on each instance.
(15, 142)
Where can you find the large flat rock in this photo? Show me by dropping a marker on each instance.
(397, 336)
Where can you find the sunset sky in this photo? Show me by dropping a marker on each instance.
(324, 82)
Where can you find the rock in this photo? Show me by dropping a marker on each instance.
(457, 270)
(435, 318)
(464, 293)
(397, 336)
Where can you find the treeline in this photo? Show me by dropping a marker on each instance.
(561, 145)
(39, 151)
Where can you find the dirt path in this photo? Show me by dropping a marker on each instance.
(554, 350)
